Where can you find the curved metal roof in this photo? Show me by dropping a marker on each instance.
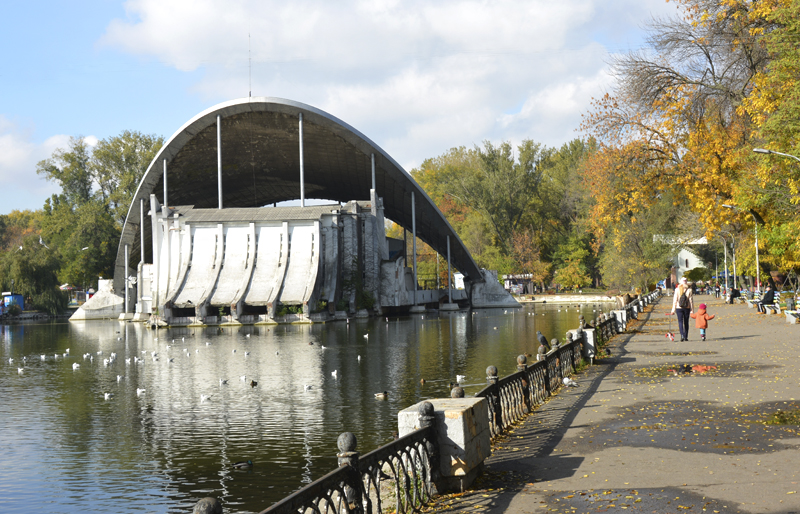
(261, 165)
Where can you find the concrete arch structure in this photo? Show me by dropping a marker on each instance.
(260, 165)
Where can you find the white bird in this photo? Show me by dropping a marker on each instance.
(460, 378)
(41, 242)
(234, 350)
(246, 354)
(277, 353)
(120, 377)
(204, 397)
(183, 339)
(247, 335)
(11, 361)
(359, 358)
(105, 362)
(222, 382)
(569, 382)
(155, 339)
(153, 354)
(100, 352)
(127, 361)
(242, 378)
(323, 346)
(43, 357)
(335, 373)
(75, 365)
(197, 351)
(306, 387)
(169, 346)
(67, 350)
(140, 391)
(208, 343)
(107, 396)
(172, 359)
(20, 370)
(366, 336)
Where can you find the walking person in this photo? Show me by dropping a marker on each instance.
(683, 307)
(701, 320)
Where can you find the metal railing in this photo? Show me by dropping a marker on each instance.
(397, 477)
(400, 477)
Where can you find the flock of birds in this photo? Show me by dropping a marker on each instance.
(186, 352)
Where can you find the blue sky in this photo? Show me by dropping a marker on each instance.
(416, 77)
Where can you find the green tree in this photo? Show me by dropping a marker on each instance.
(70, 169)
(502, 188)
(118, 164)
(34, 269)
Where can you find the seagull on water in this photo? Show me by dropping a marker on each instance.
(107, 396)
(306, 387)
(460, 378)
(140, 391)
(335, 373)
(222, 382)
(204, 397)
(75, 365)
(243, 378)
(119, 378)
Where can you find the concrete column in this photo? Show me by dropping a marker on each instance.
(127, 280)
(165, 183)
(219, 160)
(449, 275)
(155, 232)
(302, 167)
(414, 242)
(373, 198)
(141, 230)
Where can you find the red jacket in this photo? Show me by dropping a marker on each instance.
(702, 318)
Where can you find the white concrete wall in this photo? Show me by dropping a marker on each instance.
(270, 263)
(234, 265)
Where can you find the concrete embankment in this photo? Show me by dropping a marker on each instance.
(639, 434)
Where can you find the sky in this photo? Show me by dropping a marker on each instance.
(416, 77)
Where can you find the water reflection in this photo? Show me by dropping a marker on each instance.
(66, 448)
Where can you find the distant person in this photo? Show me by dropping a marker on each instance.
(734, 294)
(701, 320)
(767, 299)
(683, 306)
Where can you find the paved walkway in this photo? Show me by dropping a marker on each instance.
(635, 437)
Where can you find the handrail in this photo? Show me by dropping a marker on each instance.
(400, 477)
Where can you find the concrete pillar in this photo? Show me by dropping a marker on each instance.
(127, 279)
(373, 200)
(165, 183)
(414, 242)
(449, 275)
(141, 230)
(219, 160)
(302, 169)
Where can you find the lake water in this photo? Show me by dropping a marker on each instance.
(66, 448)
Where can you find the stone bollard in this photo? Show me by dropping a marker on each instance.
(427, 418)
(348, 456)
(542, 353)
(522, 363)
(554, 344)
(491, 375)
(208, 505)
(457, 392)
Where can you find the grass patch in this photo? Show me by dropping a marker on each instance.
(782, 417)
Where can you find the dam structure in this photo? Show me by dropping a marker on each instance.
(205, 241)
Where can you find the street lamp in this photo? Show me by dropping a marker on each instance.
(755, 222)
(773, 152)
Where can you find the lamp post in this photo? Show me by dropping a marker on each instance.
(773, 152)
(755, 222)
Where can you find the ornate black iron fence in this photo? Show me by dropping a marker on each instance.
(400, 477)
(397, 477)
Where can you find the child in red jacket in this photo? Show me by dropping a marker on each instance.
(702, 317)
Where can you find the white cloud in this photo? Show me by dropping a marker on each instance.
(417, 77)
(20, 186)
